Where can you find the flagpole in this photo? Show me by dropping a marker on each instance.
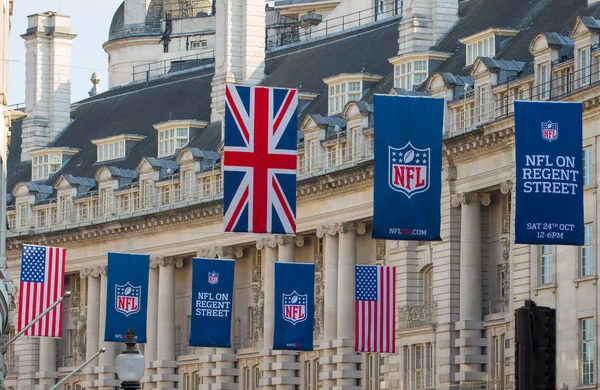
(77, 370)
(36, 319)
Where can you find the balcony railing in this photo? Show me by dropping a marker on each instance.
(488, 107)
(382, 10)
(417, 315)
(123, 204)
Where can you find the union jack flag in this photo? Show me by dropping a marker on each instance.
(259, 167)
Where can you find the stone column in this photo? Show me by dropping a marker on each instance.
(346, 275)
(347, 363)
(329, 233)
(470, 310)
(93, 318)
(271, 253)
(152, 324)
(47, 372)
(165, 345)
(106, 361)
(287, 248)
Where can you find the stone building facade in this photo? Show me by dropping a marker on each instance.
(137, 170)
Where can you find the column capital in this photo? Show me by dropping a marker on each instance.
(266, 242)
(155, 261)
(93, 272)
(221, 252)
(327, 230)
(287, 240)
(166, 261)
(345, 227)
(465, 198)
(506, 187)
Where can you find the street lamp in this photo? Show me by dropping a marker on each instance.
(130, 364)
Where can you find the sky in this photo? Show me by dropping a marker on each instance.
(90, 21)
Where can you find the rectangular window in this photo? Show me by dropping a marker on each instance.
(587, 251)
(246, 378)
(342, 93)
(412, 74)
(588, 166)
(219, 183)
(24, 215)
(544, 81)
(308, 383)
(44, 166)
(584, 66)
(171, 140)
(587, 351)
(42, 218)
(199, 44)
(147, 192)
(190, 182)
(71, 342)
(256, 377)
(419, 369)
(314, 155)
(124, 205)
(485, 108)
(300, 163)
(207, 186)
(65, 208)
(111, 151)
(357, 143)
(546, 266)
(106, 200)
(84, 211)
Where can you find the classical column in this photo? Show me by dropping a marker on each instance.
(470, 308)
(269, 244)
(106, 370)
(47, 373)
(329, 233)
(346, 275)
(152, 323)
(287, 248)
(165, 345)
(93, 315)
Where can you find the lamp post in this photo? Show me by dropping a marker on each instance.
(130, 364)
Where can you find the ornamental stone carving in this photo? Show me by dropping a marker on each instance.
(464, 198)
(155, 261)
(505, 248)
(329, 230)
(506, 187)
(345, 227)
(266, 242)
(166, 261)
(380, 252)
(92, 272)
(221, 252)
(319, 319)
(449, 173)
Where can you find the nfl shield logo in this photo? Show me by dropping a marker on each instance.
(550, 131)
(409, 169)
(213, 278)
(294, 307)
(127, 298)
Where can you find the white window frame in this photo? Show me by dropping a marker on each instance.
(172, 139)
(342, 93)
(46, 165)
(544, 81)
(428, 285)
(485, 101)
(588, 166)
(111, 151)
(411, 74)
(23, 216)
(65, 207)
(189, 178)
(584, 66)
(106, 194)
(314, 155)
(587, 354)
(546, 264)
(357, 141)
(587, 251)
(485, 47)
(419, 370)
(199, 44)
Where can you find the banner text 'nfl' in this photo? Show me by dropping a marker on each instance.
(549, 185)
(127, 296)
(294, 306)
(212, 303)
(408, 165)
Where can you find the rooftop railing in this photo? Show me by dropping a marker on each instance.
(158, 68)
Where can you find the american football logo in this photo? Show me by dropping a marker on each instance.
(409, 156)
(294, 299)
(127, 291)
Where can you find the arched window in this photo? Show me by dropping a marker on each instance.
(427, 283)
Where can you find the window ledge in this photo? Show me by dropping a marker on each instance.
(593, 278)
(548, 286)
(585, 387)
(592, 187)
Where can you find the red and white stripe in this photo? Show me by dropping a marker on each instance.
(34, 298)
(376, 320)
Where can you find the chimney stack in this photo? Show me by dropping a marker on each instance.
(48, 43)
(239, 48)
(424, 23)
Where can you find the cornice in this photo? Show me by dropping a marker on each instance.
(336, 183)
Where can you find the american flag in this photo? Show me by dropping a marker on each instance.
(42, 284)
(375, 302)
(259, 165)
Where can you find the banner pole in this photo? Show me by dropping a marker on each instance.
(77, 370)
(36, 319)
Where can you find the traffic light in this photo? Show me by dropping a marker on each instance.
(535, 347)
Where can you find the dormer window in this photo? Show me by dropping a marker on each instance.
(171, 140)
(485, 43)
(46, 162)
(114, 148)
(411, 69)
(346, 88)
(174, 135)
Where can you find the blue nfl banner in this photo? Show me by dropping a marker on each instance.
(549, 187)
(294, 306)
(212, 303)
(408, 167)
(127, 296)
